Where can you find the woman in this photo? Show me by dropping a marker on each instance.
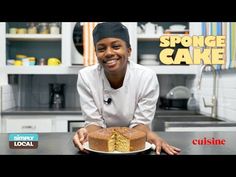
(117, 92)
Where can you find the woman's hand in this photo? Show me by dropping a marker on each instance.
(80, 137)
(161, 144)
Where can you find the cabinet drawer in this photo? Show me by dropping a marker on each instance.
(28, 125)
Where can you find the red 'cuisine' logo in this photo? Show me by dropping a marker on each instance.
(208, 141)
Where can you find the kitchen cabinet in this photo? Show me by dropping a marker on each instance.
(60, 45)
(148, 47)
(39, 123)
(62, 122)
(24, 124)
(0, 108)
(35, 45)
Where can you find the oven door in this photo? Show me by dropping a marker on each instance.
(74, 125)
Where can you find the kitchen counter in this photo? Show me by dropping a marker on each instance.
(164, 112)
(42, 111)
(61, 144)
(163, 117)
(28, 110)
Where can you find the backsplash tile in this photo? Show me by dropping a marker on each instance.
(35, 90)
(168, 82)
(9, 96)
(225, 94)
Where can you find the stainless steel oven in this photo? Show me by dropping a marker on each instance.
(74, 125)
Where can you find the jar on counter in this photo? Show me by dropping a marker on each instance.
(25, 62)
(43, 28)
(18, 63)
(21, 31)
(32, 61)
(54, 28)
(13, 30)
(42, 61)
(32, 29)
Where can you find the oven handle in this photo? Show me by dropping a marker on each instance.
(75, 124)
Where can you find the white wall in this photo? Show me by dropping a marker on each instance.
(3, 76)
(132, 27)
(9, 96)
(225, 88)
(34, 90)
(225, 91)
(0, 108)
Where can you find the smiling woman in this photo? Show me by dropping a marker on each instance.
(133, 89)
(113, 54)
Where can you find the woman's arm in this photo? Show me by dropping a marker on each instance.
(158, 141)
(81, 136)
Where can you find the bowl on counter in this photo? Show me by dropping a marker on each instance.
(149, 62)
(173, 103)
(54, 61)
(148, 57)
(177, 27)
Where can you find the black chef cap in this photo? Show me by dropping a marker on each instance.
(111, 29)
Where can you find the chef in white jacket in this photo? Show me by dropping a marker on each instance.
(117, 92)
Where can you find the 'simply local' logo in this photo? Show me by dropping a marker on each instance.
(23, 140)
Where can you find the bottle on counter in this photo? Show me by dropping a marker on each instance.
(192, 104)
(42, 61)
(43, 28)
(54, 28)
(13, 30)
(32, 29)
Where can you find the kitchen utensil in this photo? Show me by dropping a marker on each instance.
(179, 92)
(53, 61)
(56, 96)
(173, 103)
(149, 62)
(32, 29)
(13, 30)
(54, 28)
(177, 27)
(150, 28)
(43, 28)
(32, 61)
(192, 104)
(148, 57)
(147, 147)
(42, 61)
(21, 31)
(20, 56)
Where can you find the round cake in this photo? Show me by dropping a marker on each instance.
(121, 139)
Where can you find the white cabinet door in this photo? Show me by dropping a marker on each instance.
(28, 125)
(38, 123)
(62, 122)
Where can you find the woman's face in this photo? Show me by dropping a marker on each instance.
(112, 54)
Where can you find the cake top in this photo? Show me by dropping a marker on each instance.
(106, 133)
(130, 132)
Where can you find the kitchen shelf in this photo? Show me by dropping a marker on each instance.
(170, 69)
(144, 37)
(41, 69)
(33, 37)
(161, 69)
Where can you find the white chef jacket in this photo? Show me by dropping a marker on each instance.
(132, 104)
